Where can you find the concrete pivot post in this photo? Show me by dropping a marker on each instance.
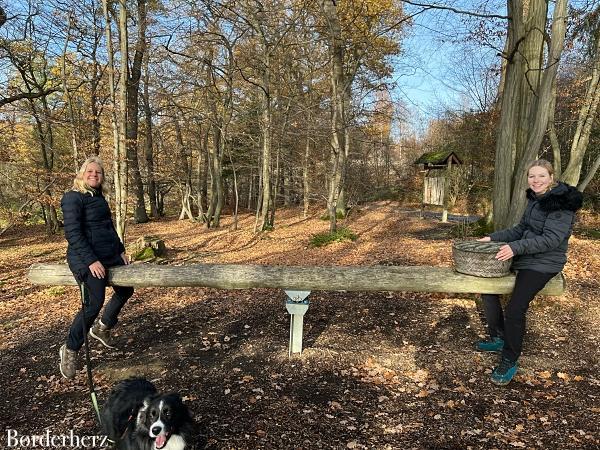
(297, 305)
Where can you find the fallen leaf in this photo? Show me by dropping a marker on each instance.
(563, 376)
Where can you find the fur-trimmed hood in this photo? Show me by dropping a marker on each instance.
(561, 197)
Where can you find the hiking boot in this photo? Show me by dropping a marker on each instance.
(68, 362)
(504, 373)
(101, 332)
(495, 344)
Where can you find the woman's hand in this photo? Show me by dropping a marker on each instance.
(97, 269)
(505, 253)
(485, 239)
(125, 258)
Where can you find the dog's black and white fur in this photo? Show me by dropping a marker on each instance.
(137, 417)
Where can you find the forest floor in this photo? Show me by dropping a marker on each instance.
(379, 370)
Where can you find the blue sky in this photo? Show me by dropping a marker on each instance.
(441, 64)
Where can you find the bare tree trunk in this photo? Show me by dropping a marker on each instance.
(587, 117)
(526, 101)
(185, 187)
(590, 175)
(149, 148)
(260, 191)
(554, 143)
(235, 191)
(250, 188)
(202, 173)
(68, 99)
(120, 157)
(305, 179)
(111, 87)
(341, 82)
(94, 102)
(133, 86)
(266, 119)
(46, 142)
(217, 197)
(275, 190)
(119, 217)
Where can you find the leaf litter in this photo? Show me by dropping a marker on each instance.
(379, 369)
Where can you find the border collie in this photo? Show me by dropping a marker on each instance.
(137, 417)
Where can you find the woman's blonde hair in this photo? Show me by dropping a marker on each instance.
(545, 164)
(81, 186)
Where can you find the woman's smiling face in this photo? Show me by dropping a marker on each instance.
(539, 179)
(93, 176)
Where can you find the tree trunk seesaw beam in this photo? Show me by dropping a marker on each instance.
(315, 278)
(297, 281)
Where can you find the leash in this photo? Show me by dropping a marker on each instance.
(82, 290)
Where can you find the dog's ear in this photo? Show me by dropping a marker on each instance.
(175, 397)
(182, 409)
(142, 412)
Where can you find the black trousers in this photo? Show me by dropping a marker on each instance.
(510, 324)
(94, 299)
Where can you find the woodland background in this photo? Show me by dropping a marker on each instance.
(198, 107)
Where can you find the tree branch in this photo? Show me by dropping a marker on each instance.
(27, 95)
(457, 11)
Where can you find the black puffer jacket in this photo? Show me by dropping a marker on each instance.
(539, 241)
(89, 231)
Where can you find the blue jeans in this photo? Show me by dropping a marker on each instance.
(510, 324)
(95, 290)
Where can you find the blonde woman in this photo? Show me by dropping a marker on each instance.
(93, 247)
(538, 246)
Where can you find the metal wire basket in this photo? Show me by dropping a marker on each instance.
(477, 258)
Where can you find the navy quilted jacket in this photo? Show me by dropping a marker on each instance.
(89, 231)
(540, 240)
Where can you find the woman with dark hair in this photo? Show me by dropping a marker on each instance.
(93, 247)
(538, 246)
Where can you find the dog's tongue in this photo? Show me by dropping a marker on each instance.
(160, 441)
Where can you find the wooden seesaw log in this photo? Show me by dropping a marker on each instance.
(298, 278)
(297, 281)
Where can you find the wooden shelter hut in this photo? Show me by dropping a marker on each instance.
(437, 166)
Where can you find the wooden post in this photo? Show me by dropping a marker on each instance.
(423, 194)
(447, 182)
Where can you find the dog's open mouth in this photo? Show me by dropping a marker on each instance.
(161, 440)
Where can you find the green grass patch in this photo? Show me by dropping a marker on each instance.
(9, 325)
(342, 234)
(338, 215)
(593, 233)
(55, 291)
